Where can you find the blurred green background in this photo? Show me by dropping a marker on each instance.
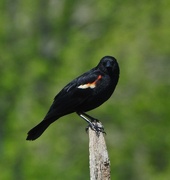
(45, 44)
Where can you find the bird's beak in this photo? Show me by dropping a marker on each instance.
(108, 65)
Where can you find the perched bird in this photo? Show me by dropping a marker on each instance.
(83, 94)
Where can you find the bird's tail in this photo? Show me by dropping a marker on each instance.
(37, 131)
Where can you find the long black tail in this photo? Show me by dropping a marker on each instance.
(37, 131)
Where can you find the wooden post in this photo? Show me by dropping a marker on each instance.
(98, 157)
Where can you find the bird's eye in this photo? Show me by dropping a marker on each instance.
(104, 63)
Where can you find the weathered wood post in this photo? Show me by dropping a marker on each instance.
(98, 156)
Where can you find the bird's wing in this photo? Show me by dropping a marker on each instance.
(73, 94)
(84, 82)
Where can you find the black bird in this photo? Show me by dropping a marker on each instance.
(83, 94)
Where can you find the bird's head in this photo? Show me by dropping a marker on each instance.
(109, 65)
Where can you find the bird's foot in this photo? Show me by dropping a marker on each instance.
(96, 126)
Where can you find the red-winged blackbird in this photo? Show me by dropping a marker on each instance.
(84, 93)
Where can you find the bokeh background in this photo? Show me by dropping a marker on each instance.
(45, 44)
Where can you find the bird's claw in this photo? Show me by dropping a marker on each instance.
(94, 126)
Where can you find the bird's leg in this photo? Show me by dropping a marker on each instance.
(92, 122)
(90, 117)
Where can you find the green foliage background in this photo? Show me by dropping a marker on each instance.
(45, 44)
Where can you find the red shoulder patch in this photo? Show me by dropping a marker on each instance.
(90, 85)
